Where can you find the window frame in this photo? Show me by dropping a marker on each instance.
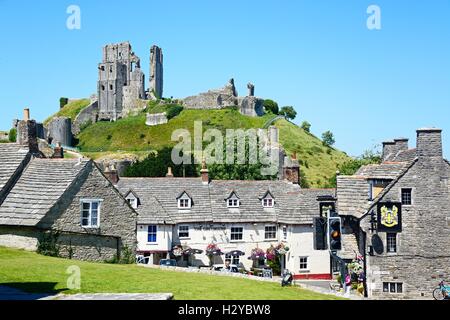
(266, 232)
(304, 263)
(233, 259)
(155, 233)
(410, 196)
(390, 244)
(188, 206)
(236, 233)
(184, 231)
(266, 205)
(89, 217)
(284, 230)
(397, 287)
(233, 203)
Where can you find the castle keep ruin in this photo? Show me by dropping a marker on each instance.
(121, 82)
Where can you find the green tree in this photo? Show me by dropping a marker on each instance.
(62, 102)
(12, 136)
(289, 112)
(271, 106)
(328, 138)
(306, 126)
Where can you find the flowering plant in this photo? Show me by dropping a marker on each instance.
(281, 249)
(257, 254)
(211, 247)
(271, 253)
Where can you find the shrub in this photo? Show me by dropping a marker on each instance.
(328, 138)
(12, 136)
(126, 257)
(271, 106)
(173, 111)
(48, 244)
(306, 126)
(289, 112)
(62, 102)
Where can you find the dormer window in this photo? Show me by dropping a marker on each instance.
(132, 199)
(267, 200)
(233, 200)
(184, 201)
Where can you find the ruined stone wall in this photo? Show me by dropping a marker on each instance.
(251, 106)
(88, 114)
(156, 119)
(60, 130)
(117, 219)
(156, 71)
(213, 99)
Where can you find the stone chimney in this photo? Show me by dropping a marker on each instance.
(27, 132)
(291, 169)
(429, 143)
(204, 173)
(112, 174)
(58, 152)
(392, 148)
(169, 173)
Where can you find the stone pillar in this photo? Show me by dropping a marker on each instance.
(291, 169)
(204, 173)
(156, 71)
(60, 130)
(27, 133)
(388, 150)
(112, 175)
(251, 89)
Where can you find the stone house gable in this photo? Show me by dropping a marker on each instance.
(117, 220)
(423, 247)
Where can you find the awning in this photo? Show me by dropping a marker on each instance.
(236, 253)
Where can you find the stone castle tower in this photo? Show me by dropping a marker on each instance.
(156, 72)
(120, 80)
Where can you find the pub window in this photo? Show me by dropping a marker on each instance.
(237, 233)
(183, 232)
(392, 287)
(406, 197)
(391, 242)
(303, 263)
(151, 234)
(270, 232)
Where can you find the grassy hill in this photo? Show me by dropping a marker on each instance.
(70, 110)
(132, 136)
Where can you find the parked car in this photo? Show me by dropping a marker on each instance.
(168, 262)
(219, 267)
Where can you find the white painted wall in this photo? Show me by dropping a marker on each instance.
(299, 239)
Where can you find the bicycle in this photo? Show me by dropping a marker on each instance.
(442, 293)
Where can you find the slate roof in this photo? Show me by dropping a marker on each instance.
(406, 156)
(349, 247)
(385, 170)
(158, 201)
(39, 187)
(12, 155)
(352, 195)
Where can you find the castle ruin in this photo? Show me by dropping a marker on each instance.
(121, 82)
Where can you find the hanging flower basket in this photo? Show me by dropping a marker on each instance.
(281, 249)
(177, 251)
(257, 254)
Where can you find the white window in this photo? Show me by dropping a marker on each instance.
(90, 213)
(270, 232)
(183, 232)
(152, 234)
(232, 259)
(267, 203)
(237, 234)
(285, 232)
(233, 203)
(303, 264)
(132, 201)
(184, 203)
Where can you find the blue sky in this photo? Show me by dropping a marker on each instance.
(364, 85)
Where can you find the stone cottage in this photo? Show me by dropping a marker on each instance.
(70, 199)
(399, 213)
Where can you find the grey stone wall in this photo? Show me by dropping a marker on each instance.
(88, 114)
(117, 219)
(213, 99)
(423, 246)
(252, 106)
(156, 119)
(60, 130)
(19, 237)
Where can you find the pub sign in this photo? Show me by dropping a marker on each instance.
(389, 217)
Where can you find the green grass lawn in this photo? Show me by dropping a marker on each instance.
(39, 274)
